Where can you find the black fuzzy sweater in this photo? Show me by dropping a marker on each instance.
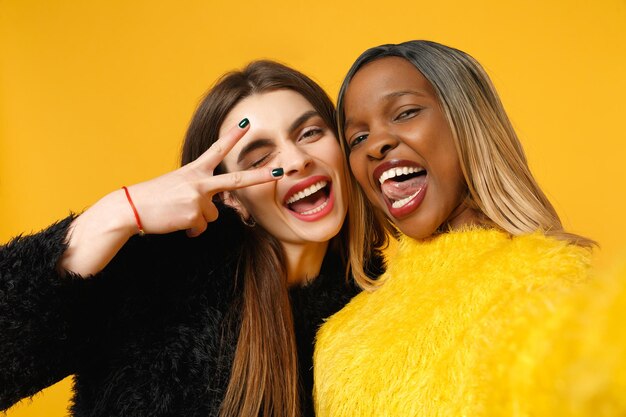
(151, 335)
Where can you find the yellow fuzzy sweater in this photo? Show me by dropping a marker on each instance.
(476, 323)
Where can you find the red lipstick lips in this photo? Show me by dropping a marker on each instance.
(403, 195)
(310, 199)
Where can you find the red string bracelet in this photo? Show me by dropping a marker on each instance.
(132, 205)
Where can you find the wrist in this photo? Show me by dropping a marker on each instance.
(115, 215)
(131, 203)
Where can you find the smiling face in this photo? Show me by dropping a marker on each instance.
(309, 203)
(402, 151)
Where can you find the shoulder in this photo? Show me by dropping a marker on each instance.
(539, 255)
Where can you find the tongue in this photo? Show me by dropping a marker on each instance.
(309, 203)
(397, 190)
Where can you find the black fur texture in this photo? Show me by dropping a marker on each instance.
(152, 335)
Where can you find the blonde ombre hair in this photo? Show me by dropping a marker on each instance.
(499, 182)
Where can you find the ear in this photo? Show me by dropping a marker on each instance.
(230, 199)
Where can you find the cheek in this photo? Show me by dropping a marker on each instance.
(359, 170)
(341, 167)
(331, 151)
(455, 182)
(460, 183)
(451, 163)
(357, 167)
(258, 198)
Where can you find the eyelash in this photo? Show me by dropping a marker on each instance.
(403, 115)
(259, 162)
(357, 140)
(311, 132)
(407, 113)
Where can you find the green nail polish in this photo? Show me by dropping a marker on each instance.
(277, 172)
(244, 123)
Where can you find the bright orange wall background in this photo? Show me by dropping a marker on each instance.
(97, 94)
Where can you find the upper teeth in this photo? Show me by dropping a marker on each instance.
(394, 172)
(307, 191)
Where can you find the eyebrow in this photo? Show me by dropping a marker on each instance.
(303, 118)
(260, 143)
(397, 94)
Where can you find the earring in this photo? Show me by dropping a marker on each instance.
(250, 222)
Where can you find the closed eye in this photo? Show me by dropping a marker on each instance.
(261, 161)
(256, 153)
(407, 114)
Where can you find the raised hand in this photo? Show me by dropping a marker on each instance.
(179, 200)
(183, 199)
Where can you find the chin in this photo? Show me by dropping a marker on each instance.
(324, 233)
(418, 232)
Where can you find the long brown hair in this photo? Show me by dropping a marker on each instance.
(264, 374)
(500, 184)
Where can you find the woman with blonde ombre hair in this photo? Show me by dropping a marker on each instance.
(500, 186)
(484, 285)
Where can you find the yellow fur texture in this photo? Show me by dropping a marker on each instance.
(476, 323)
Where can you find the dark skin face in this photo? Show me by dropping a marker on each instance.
(402, 150)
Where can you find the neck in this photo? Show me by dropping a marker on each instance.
(304, 261)
(461, 216)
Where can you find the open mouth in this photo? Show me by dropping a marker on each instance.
(310, 200)
(400, 185)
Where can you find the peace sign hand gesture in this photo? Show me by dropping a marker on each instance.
(183, 199)
(179, 200)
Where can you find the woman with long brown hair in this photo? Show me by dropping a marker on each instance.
(221, 324)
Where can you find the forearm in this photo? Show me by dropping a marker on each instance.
(51, 323)
(96, 236)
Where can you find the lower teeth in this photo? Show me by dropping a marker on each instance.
(316, 209)
(404, 201)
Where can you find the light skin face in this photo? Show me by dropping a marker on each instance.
(286, 131)
(402, 150)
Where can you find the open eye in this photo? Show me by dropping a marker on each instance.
(358, 139)
(310, 134)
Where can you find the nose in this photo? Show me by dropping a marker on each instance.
(379, 143)
(294, 159)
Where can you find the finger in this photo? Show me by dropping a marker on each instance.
(241, 179)
(210, 212)
(216, 153)
(197, 229)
